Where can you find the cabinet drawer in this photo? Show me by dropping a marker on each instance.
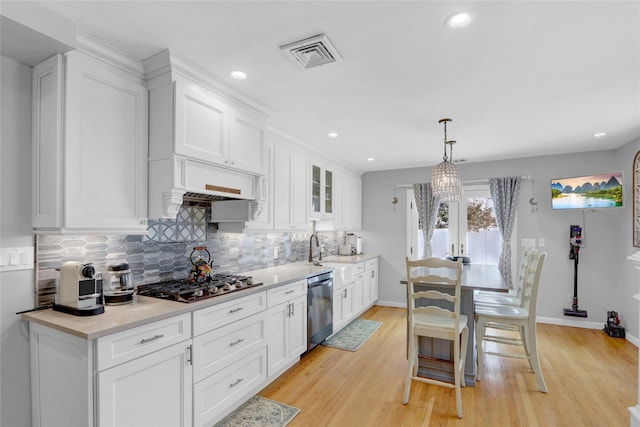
(225, 389)
(130, 344)
(214, 317)
(217, 349)
(285, 293)
(359, 268)
(372, 264)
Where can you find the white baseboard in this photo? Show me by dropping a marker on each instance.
(549, 320)
(391, 304)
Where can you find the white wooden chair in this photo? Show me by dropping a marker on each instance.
(521, 319)
(514, 297)
(426, 319)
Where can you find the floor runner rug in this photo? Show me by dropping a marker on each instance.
(354, 335)
(260, 412)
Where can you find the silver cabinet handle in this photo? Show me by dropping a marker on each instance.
(148, 340)
(236, 342)
(290, 292)
(236, 382)
(235, 310)
(190, 355)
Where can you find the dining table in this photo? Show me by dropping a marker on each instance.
(436, 355)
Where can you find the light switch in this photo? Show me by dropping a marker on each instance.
(12, 259)
(528, 243)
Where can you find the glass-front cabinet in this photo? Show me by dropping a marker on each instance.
(321, 193)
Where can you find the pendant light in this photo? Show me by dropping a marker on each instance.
(445, 177)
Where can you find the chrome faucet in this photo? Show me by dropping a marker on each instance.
(311, 249)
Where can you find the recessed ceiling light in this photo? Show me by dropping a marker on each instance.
(600, 134)
(239, 75)
(459, 20)
(332, 135)
(370, 159)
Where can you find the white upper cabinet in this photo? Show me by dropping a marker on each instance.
(208, 128)
(322, 201)
(291, 177)
(89, 147)
(201, 123)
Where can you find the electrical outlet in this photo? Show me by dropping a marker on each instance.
(541, 243)
(275, 252)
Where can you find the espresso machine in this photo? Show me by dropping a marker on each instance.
(78, 290)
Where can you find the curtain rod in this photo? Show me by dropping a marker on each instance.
(477, 181)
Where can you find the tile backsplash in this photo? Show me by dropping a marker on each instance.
(157, 259)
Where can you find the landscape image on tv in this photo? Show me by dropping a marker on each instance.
(602, 190)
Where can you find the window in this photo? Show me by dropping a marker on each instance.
(463, 229)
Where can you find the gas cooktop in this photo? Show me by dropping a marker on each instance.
(183, 290)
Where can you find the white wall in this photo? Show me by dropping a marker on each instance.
(605, 278)
(16, 288)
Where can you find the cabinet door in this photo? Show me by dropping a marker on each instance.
(358, 292)
(201, 124)
(298, 327)
(154, 390)
(106, 141)
(347, 302)
(371, 277)
(46, 196)
(278, 329)
(246, 142)
(338, 319)
(321, 189)
(352, 203)
(290, 188)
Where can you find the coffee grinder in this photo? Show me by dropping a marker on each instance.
(575, 242)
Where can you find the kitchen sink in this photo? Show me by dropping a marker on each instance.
(343, 273)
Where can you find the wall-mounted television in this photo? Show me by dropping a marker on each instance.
(602, 190)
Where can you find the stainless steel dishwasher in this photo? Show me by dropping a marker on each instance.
(319, 308)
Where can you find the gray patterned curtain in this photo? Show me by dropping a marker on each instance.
(427, 204)
(504, 192)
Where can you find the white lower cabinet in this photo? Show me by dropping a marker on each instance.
(371, 281)
(154, 390)
(229, 356)
(220, 393)
(358, 290)
(343, 307)
(287, 326)
(138, 377)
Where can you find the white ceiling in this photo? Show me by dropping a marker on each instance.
(524, 79)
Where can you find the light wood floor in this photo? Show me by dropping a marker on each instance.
(592, 380)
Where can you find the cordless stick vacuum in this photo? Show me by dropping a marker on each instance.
(576, 242)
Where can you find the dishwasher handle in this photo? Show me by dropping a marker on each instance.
(322, 283)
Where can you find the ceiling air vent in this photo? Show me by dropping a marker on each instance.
(312, 51)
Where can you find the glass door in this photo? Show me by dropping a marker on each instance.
(466, 228)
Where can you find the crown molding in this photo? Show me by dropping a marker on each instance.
(165, 62)
(114, 56)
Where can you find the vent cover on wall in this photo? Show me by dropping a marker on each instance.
(312, 51)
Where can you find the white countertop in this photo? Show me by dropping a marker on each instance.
(144, 310)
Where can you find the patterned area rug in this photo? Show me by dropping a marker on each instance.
(353, 335)
(260, 412)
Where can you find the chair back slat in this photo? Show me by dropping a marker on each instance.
(432, 309)
(443, 273)
(434, 295)
(532, 281)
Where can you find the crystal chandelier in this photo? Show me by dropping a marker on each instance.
(445, 177)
